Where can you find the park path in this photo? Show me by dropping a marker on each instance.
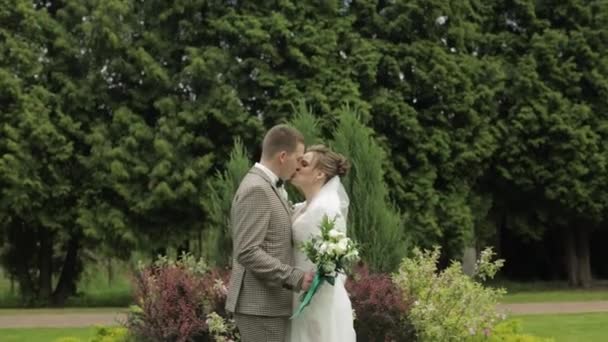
(55, 319)
(91, 317)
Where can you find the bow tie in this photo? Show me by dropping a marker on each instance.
(279, 183)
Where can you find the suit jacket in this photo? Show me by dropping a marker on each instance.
(262, 275)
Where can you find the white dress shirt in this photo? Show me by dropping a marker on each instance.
(273, 178)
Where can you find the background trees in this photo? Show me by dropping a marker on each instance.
(116, 116)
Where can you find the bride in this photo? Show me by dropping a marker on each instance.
(329, 316)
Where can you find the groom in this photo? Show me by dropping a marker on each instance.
(262, 276)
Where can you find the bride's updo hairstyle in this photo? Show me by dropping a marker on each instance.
(328, 161)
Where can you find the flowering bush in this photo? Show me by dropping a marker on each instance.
(449, 305)
(174, 299)
(380, 309)
(222, 329)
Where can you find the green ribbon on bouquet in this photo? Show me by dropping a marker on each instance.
(314, 287)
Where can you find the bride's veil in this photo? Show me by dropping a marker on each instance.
(333, 198)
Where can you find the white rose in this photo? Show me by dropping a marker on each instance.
(342, 246)
(331, 248)
(336, 234)
(323, 248)
(352, 255)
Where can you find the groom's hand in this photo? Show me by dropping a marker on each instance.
(308, 278)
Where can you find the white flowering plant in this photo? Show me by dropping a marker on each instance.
(222, 329)
(450, 305)
(332, 252)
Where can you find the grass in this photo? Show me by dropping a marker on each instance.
(46, 334)
(533, 292)
(556, 296)
(563, 328)
(567, 327)
(60, 311)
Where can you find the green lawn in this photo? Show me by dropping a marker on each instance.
(592, 327)
(533, 292)
(46, 334)
(60, 311)
(556, 296)
(563, 328)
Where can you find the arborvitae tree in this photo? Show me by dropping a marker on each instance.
(307, 123)
(219, 201)
(373, 220)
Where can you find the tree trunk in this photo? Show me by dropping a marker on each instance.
(110, 272)
(22, 248)
(584, 261)
(571, 258)
(26, 284)
(69, 273)
(469, 261)
(45, 265)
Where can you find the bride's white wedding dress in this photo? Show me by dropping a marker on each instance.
(329, 316)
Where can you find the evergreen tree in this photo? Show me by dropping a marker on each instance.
(219, 202)
(373, 221)
(552, 160)
(433, 96)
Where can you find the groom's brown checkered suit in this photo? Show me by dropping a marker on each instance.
(262, 256)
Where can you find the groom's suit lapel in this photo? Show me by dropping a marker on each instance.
(277, 192)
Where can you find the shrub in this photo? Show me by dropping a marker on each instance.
(449, 305)
(222, 329)
(114, 334)
(380, 309)
(174, 298)
(508, 331)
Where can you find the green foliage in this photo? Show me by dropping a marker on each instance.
(42, 176)
(307, 123)
(449, 305)
(508, 331)
(373, 221)
(310, 126)
(67, 339)
(187, 262)
(105, 334)
(222, 329)
(221, 191)
(434, 98)
(116, 114)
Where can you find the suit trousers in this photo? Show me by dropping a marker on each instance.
(261, 328)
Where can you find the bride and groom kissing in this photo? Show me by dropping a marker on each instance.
(269, 271)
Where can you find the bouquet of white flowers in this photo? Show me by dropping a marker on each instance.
(332, 252)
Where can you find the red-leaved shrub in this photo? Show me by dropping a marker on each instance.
(215, 284)
(173, 303)
(380, 308)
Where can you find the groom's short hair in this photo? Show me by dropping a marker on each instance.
(281, 138)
